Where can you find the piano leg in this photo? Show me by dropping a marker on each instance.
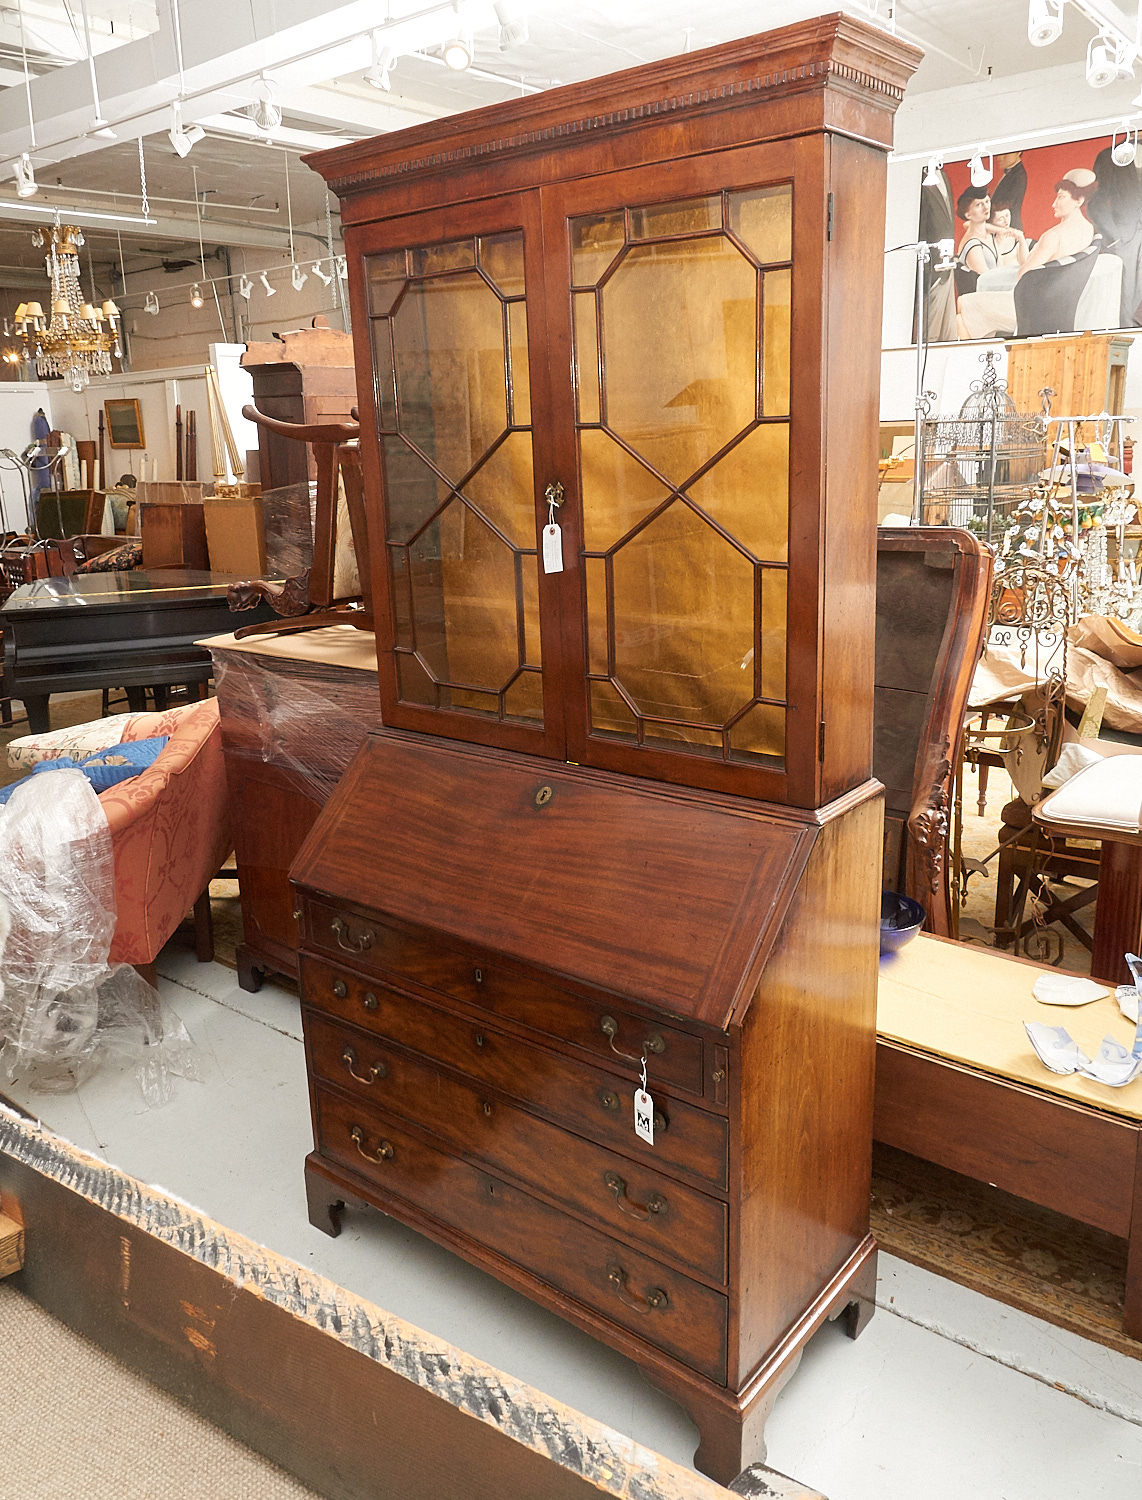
(39, 712)
(136, 699)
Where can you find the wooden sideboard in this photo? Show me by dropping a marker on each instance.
(294, 712)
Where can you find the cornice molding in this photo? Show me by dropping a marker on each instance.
(352, 168)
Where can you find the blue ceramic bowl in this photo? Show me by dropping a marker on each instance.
(901, 919)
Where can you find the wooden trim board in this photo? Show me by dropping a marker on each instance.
(353, 1401)
(11, 1246)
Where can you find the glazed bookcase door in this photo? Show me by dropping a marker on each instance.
(455, 339)
(680, 314)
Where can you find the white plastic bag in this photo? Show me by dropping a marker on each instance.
(62, 1006)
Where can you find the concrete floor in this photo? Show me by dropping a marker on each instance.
(946, 1396)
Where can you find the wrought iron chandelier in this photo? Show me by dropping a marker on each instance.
(78, 340)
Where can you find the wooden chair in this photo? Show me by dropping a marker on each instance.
(932, 589)
(309, 601)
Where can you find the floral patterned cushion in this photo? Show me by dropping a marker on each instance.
(75, 743)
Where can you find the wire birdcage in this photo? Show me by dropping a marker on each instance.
(977, 467)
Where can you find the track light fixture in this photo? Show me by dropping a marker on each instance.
(1044, 22)
(26, 185)
(981, 174)
(1123, 152)
(151, 304)
(932, 172)
(245, 286)
(298, 278)
(271, 291)
(1108, 59)
(512, 17)
(458, 52)
(320, 274)
(265, 113)
(182, 140)
(196, 298)
(384, 61)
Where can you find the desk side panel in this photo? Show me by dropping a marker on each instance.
(805, 1087)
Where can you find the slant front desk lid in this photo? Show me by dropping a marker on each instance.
(670, 897)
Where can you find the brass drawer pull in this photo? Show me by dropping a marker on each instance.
(655, 1204)
(384, 1148)
(610, 1029)
(351, 945)
(656, 1298)
(349, 1058)
(370, 1003)
(340, 989)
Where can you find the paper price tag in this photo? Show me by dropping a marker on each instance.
(644, 1116)
(552, 549)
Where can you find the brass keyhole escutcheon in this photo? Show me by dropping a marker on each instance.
(487, 1108)
(554, 493)
(543, 796)
(479, 1039)
(478, 975)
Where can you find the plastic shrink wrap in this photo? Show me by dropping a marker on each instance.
(63, 1008)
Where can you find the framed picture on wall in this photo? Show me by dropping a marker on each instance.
(124, 424)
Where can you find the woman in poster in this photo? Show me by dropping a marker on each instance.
(1116, 209)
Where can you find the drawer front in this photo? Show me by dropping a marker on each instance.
(654, 1213)
(585, 1099)
(673, 1056)
(667, 1309)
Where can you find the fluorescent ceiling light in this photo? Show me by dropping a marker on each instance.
(75, 213)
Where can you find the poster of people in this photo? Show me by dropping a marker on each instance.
(1051, 243)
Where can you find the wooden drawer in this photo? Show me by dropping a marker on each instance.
(585, 1099)
(669, 1221)
(661, 1306)
(674, 1057)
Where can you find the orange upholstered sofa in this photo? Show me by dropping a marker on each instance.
(170, 830)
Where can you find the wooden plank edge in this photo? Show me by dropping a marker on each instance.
(11, 1245)
(186, 1302)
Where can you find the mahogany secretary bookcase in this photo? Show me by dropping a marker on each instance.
(589, 929)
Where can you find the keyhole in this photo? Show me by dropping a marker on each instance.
(543, 796)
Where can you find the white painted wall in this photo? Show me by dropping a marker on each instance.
(158, 393)
(18, 404)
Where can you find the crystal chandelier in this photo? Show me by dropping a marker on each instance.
(78, 340)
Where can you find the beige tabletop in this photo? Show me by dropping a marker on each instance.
(333, 645)
(969, 1004)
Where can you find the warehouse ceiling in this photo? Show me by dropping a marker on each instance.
(309, 59)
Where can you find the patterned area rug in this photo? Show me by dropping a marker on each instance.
(1042, 1262)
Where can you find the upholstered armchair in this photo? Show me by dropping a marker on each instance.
(171, 832)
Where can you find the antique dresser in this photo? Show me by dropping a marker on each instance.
(589, 929)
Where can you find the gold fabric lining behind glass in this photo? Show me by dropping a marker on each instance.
(449, 337)
(681, 319)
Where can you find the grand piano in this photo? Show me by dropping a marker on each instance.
(100, 630)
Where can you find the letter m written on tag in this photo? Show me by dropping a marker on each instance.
(644, 1116)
